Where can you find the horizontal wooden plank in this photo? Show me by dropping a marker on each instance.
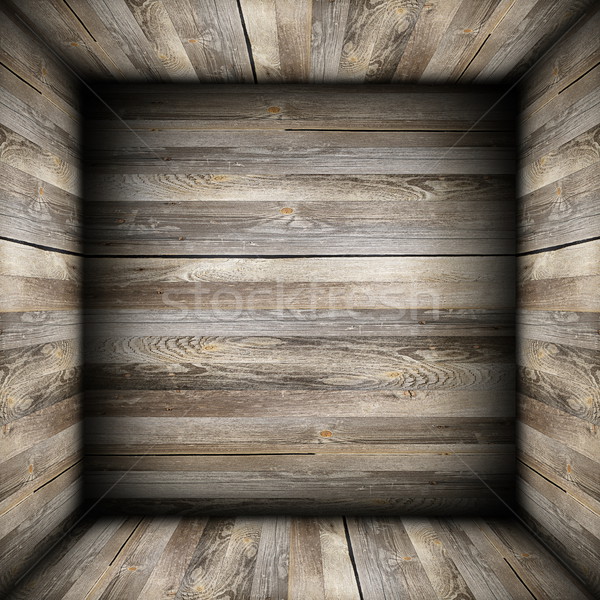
(579, 329)
(112, 322)
(561, 161)
(560, 464)
(301, 283)
(38, 161)
(29, 470)
(27, 395)
(248, 435)
(410, 475)
(578, 434)
(561, 280)
(311, 363)
(297, 403)
(376, 505)
(21, 329)
(300, 227)
(566, 394)
(316, 159)
(561, 360)
(21, 435)
(565, 117)
(20, 52)
(561, 212)
(37, 212)
(424, 189)
(306, 107)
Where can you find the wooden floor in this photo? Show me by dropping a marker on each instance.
(273, 558)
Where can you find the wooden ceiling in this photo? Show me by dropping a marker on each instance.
(309, 41)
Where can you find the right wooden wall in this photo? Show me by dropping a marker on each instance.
(558, 359)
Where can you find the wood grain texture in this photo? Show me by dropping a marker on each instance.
(326, 558)
(40, 356)
(558, 404)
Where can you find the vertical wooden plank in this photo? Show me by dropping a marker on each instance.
(398, 22)
(167, 576)
(386, 561)
(305, 578)
(157, 26)
(294, 21)
(328, 26)
(270, 579)
(445, 578)
(260, 17)
(424, 39)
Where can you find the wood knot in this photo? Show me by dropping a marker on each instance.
(274, 110)
(326, 433)
(422, 322)
(74, 44)
(132, 568)
(41, 191)
(525, 554)
(394, 374)
(286, 211)
(30, 468)
(219, 177)
(467, 30)
(569, 468)
(407, 558)
(181, 238)
(210, 347)
(120, 221)
(193, 41)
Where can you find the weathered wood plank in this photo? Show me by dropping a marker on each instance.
(543, 575)
(136, 561)
(386, 562)
(483, 569)
(562, 161)
(561, 280)
(298, 403)
(436, 560)
(578, 329)
(360, 322)
(275, 227)
(559, 463)
(273, 363)
(521, 37)
(304, 107)
(562, 212)
(91, 555)
(567, 526)
(118, 435)
(37, 161)
(464, 36)
(327, 38)
(213, 38)
(21, 329)
(576, 54)
(29, 59)
(296, 284)
(27, 471)
(37, 212)
(166, 577)
(158, 28)
(30, 527)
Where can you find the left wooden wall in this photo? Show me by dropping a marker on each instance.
(40, 264)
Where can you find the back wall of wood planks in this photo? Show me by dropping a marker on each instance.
(300, 299)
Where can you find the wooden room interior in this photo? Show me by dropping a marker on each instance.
(299, 299)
